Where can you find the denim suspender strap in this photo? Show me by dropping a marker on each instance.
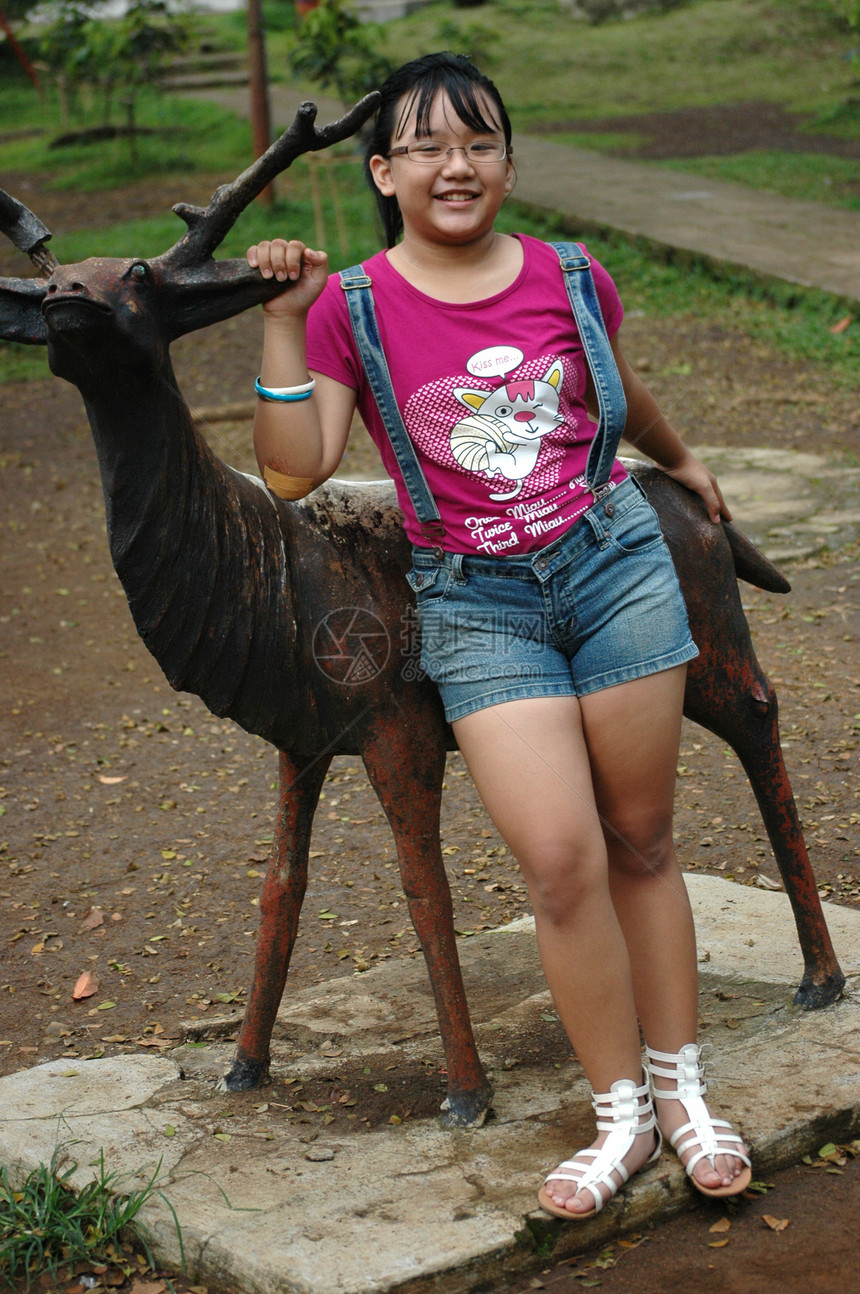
(362, 315)
(579, 282)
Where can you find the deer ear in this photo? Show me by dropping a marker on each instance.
(20, 311)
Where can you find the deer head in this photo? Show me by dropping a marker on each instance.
(108, 315)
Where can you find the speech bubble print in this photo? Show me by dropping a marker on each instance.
(495, 361)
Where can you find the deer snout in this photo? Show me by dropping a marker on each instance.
(71, 292)
(74, 287)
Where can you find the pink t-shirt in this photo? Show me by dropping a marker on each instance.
(492, 395)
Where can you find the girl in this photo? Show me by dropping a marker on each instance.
(551, 617)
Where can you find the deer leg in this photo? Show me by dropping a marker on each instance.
(752, 730)
(280, 906)
(408, 782)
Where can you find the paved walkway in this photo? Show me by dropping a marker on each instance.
(767, 235)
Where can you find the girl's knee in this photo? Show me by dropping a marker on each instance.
(639, 855)
(563, 882)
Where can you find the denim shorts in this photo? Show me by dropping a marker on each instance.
(598, 606)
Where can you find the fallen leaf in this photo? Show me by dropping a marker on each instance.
(775, 1224)
(86, 986)
(94, 918)
(718, 1244)
(842, 325)
(724, 1224)
(110, 781)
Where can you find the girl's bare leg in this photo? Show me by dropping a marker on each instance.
(530, 762)
(634, 782)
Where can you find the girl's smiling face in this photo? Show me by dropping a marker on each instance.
(453, 201)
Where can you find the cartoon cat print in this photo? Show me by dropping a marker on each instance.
(503, 434)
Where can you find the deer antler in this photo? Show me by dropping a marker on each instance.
(27, 232)
(208, 227)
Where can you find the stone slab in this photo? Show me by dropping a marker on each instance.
(414, 1206)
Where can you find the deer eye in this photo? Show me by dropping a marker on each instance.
(139, 272)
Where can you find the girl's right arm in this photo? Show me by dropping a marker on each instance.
(300, 443)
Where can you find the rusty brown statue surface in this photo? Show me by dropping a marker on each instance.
(255, 604)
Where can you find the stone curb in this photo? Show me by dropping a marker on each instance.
(415, 1206)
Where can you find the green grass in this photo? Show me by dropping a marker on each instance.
(47, 1225)
(813, 177)
(551, 67)
(190, 135)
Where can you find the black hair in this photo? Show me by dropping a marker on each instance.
(422, 80)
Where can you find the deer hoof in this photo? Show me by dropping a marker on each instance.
(812, 997)
(466, 1109)
(243, 1075)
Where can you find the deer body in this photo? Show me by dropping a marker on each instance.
(231, 588)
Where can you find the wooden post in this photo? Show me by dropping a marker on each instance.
(261, 119)
(22, 58)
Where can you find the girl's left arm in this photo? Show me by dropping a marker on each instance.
(651, 432)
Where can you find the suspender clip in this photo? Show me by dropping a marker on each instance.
(434, 531)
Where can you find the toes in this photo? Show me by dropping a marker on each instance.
(722, 1173)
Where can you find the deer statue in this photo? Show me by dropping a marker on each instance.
(231, 588)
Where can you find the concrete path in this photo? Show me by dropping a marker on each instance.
(269, 1203)
(762, 233)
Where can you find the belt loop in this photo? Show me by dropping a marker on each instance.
(457, 568)
(601, 534)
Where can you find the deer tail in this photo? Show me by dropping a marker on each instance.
(752, 565)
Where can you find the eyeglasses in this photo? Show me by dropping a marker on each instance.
(433, 151)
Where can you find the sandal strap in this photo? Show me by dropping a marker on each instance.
(703, 1133)
(624, 1106)
(619, 1112)
(719, 1138)
(684, 1068)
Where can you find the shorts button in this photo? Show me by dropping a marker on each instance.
(438, 554)
(542, 563)
(419, 580)
(610, 509)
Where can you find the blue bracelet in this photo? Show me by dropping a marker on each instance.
(287, 394)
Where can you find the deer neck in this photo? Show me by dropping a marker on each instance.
(145, 444)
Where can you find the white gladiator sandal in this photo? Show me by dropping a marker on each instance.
(709, 1137)
(618, 1113)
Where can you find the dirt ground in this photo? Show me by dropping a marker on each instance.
(717, 130)
(135, 826)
